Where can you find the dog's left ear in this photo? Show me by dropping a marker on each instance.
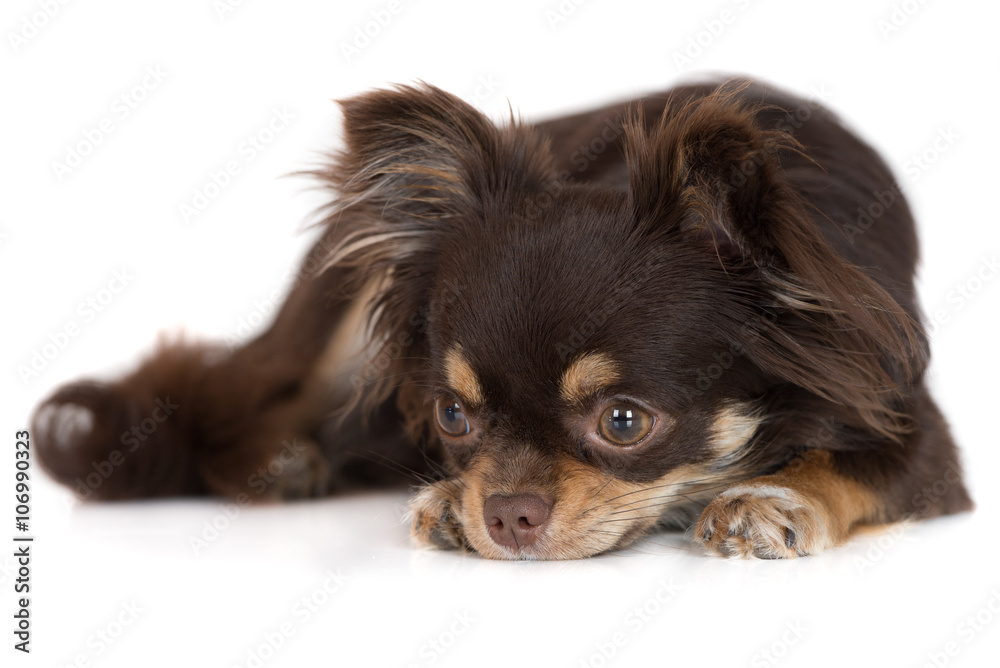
(707, 167)
(708, 172)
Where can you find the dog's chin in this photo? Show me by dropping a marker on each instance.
(449, 515)
(572, 548)
(559, 542)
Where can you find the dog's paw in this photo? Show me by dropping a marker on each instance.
(763, 522)
(434, 517)
(65, 425)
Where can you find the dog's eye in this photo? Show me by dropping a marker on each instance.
(625, 425)
(450, 417)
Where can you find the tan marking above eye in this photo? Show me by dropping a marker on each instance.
(461, 378)
(588, 374)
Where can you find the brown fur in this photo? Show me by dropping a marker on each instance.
(690, 255)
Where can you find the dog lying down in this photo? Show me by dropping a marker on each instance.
(674, 312)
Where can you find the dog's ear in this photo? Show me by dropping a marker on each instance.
(707, 172)
(706, 167)
(416, 155)
(417, 165)
(417, 162)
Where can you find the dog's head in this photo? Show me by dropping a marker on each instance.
(592, 355)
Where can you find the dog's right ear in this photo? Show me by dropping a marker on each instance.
(418, 165)
(415, 156)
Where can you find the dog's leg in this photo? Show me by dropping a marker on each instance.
(818, 499)
(802, 509)
(197, 419)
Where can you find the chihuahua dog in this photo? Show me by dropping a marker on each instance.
(694, 310)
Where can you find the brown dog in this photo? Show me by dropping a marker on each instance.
(659, 314)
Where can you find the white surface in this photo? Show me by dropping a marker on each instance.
(888, 599)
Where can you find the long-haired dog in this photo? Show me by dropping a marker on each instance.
(669, 313)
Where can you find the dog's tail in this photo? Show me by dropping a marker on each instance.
(196, 418)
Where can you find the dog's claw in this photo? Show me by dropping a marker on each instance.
(441, 539)
(435, 521)
(707, 532)
(752, 524)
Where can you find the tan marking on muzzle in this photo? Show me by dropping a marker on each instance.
(592, 511)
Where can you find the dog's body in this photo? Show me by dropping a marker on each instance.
(581, 330)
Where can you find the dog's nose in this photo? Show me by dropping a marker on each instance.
(516, 521)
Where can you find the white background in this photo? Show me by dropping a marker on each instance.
(896, 598)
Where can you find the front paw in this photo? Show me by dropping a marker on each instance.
(434, 514)
(763, 522)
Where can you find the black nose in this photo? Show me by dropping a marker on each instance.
(516, 521)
